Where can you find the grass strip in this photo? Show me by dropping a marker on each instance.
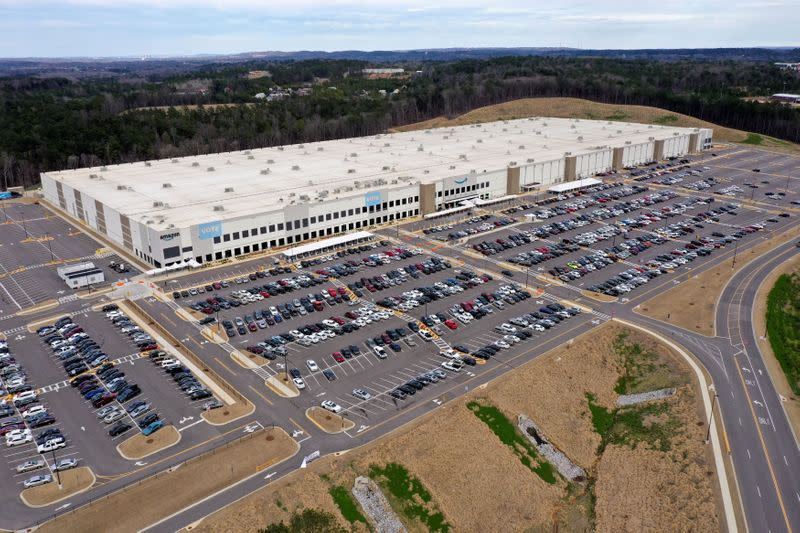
(507, 432)
(411, 497)
(347, 504)
(783, 326)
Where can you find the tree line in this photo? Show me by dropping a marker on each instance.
(58, 123)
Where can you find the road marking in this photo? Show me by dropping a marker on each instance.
(193, 424)
(261, 395)
(224, 366)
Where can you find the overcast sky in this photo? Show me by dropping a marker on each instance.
(59, 28)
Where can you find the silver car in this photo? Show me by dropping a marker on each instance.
(27, 466)
(35, 481)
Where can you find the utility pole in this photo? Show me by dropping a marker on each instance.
(735, 251)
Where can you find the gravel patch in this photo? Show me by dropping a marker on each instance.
(633, 399)
(554, 456)
(376, 506)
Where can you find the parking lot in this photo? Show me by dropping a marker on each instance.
(33, 243)
(346, 325)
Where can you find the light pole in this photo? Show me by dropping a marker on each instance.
(50, 247)
(58, 474)
(711, 416)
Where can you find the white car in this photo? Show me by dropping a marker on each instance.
(65, 464)
(35, 481)
(312, 365)
(331, 406)
(52, 444)
(299, 383)
(33, 410)
(32, 464)
(449, 354)
(453, 365)
(361, 394)
(426, 336)
(17, 439)
(380, 352)
(502, 344)
(24, 397)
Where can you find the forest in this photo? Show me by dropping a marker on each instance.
(52, 123)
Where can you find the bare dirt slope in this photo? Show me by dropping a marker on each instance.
(578, 108)
(649, 466)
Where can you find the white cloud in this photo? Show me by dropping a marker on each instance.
(630, 18)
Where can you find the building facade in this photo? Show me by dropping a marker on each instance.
(164, 212)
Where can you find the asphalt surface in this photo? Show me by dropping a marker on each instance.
(763, 449)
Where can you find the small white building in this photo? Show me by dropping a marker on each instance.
(80, 275)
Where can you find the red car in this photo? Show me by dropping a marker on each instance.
(252, 326)
(338, 320)
(450, 324)
(332, 292)
(338, 357)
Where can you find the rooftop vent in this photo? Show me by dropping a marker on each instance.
(452, 167)
(463, 157)
(479, 141)
(512, 163)
(166, 185)
(320, 148)
(174, 161)
(228, 189)
(148, 164)
(121, 187)
(567, 153)
(219, 208)
(353, 154)
(521, 147)
(351, 171)
(251, 157)
(301, 146)
(627, 142)
(529, 160)
(426, 171)
(280, 148)
(210, 169)
(195, 164)
(158, 204)
(265, 172)
(580, 138)
(103, 169)
(92, 176)
(386, 145)
(295, 167)
(420, 148)
(247, 152)
(270, 161)
(385, 167)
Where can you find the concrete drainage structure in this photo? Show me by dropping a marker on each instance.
(633, 399)
(376, 506)
(554, 456)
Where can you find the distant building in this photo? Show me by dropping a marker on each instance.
(375, 73)
(788, 66)
(786, 98)
(260, 96)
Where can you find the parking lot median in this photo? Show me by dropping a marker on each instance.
(73, 481)
(327, 421)
(140, 445)
(151, 499)
(282, 386)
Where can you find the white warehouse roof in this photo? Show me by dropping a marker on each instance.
(189, 190)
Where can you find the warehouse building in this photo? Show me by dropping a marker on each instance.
(215, 206)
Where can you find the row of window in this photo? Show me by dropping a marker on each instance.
(461, 190)
(283, 241)
(304, 223)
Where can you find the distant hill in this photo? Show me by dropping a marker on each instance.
(105, 66)
(579, 108)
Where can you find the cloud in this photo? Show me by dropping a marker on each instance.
(630, 18)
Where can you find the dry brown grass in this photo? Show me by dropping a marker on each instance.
(475, 480)
(170, 491)
(579, 108)
(327, 421)
(692, 303)
(228, 413)
(73, 481)
(140, 446)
